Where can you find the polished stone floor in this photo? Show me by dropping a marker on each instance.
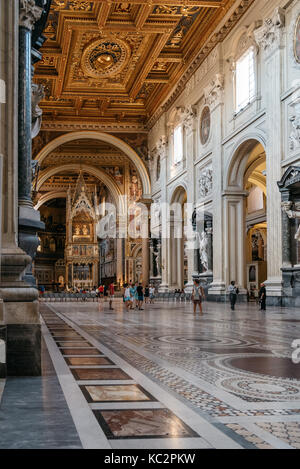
(165, 378)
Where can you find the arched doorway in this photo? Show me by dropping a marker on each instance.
(245, 208)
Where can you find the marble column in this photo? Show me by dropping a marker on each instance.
(162, 148)
(189, 120)
(214, 98)
(20, 306)
(145, 259)
(120, 257)
(29, 219)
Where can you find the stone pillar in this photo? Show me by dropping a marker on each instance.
(214, 97)
(189, 120)
(29, 219)
(270, 38)
(151, 249)
(20, 306)
(234, 237)
(162, 148)
(120, 257)
(145, 258)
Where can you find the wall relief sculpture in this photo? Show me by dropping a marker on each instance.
(205, 182)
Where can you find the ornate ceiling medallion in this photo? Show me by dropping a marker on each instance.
(105, 57)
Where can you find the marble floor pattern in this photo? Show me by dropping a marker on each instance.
(164, 378)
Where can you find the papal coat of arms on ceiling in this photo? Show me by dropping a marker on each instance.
(105, 57)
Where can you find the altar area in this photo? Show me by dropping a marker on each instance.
(81, 251)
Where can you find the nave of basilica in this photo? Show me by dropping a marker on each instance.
(156, 145)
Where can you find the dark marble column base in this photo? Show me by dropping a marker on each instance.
(23, 349)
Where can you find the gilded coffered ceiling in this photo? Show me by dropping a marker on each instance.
(115, 63)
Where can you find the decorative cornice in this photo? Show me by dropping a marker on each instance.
(203, 54)
(75, 126)
(29, 13)
(269, 35)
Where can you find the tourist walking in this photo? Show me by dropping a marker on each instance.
(111, 290)
(127, 296)
(140, 296)
(147, 294)
(152, 294)
(262, 297)
(197, 296)
(233, 293)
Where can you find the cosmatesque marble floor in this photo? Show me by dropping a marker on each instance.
(165, 378)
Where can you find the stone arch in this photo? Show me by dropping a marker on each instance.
(107, 138)
(50, 196)
(179, 194)
(101, 175)
(235, 168)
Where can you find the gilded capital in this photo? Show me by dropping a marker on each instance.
(29, 13)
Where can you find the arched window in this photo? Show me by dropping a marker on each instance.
(243, 64)
(178, 144)
(245, 82)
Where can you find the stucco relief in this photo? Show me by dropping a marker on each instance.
(204, 182)
(294, 137)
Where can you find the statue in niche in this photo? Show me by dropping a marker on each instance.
(203, 244)
(85, 230)
(77, 230)
(293, 214)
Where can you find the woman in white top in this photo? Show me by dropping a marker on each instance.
(127, 296)
(152, 294)
(197, 296)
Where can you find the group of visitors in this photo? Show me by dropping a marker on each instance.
(198, 296)
(106, 292)
(134, 295)
(234, 291)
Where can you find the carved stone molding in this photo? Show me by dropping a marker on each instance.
(29, 13)
(213, 93)
(200, 58)
(269, 35)
(72, 126)
(161, 146)
(189, 115)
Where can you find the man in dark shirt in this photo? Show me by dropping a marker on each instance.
(262, 297)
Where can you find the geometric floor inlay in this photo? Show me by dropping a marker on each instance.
(116, 393)
(99, 373)
(80, 351)
(75, 361)
(158, 423)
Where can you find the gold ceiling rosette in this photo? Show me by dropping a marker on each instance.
(105, 57)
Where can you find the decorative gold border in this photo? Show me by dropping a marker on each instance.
(126, 52)
(295, 35)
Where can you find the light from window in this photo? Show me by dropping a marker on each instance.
(178, 144)
(245, 80)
